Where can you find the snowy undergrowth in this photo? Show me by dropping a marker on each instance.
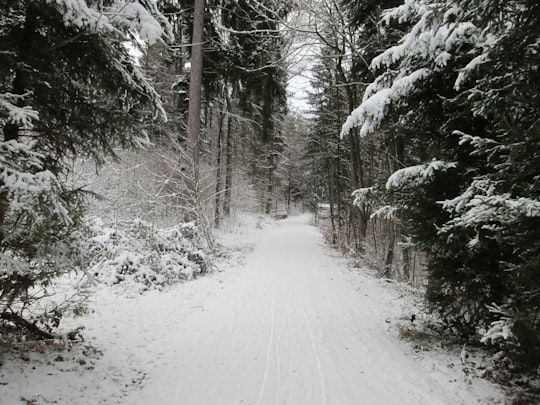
(133, 264)
(126, 258)
(135, 256)
(436, 347)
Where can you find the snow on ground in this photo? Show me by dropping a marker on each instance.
(290, 323)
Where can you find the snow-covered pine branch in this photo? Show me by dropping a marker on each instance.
(482, 205)
(427, 48)
(141, 18)
(14, 113)
(417, 175)
(363, 196)
(386, 212)
(370, 114)
(27, 184)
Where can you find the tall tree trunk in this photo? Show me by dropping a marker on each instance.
(406, 254)
(228, 162)
(218, 190)
(195, 87)
(269, 184)
(355, 158)
(331, 200)
(227, 201)
(289, 191)
(389, 259)
(194, 120)
(339, 187)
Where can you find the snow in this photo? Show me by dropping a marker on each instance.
(404, 12)
(482, 205)
(500, 329)
(429, 47)
(418, 173)
(362, 196)
(138, 20)
(286, 321)
(372, 111)
(78, 14)
(386, 212)
(26, 184)
(134, 252)
(143, 21)
(22, 116)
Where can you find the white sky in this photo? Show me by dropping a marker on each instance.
(300, 56)
(297, 93)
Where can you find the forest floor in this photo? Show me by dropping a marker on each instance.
(284, 320)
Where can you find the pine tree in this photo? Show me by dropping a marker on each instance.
(327, 154)
(68, 88)
(245, 63)
(350, 35)
(460, 86)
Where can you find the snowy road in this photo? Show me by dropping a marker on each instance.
(292, 325)
(290, 328)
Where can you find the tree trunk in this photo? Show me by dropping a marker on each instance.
(389, 259)
(339, 188)
(195, 88)
(269, 184)
(406, 252)
(228, 163)
(331, 200)
(218, 190)
(194, 121)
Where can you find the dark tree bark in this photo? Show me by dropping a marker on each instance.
(195, 86)
(218, 189)
(228, 165)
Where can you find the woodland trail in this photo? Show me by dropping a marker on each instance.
(291, 327)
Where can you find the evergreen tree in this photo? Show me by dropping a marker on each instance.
(328, 156)
(246, 55)
(350, 35)
(68, 88)
(460, 86)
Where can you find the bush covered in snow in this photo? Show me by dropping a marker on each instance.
(134, 253)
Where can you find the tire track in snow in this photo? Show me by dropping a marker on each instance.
(269, 348)
(278, 363)
(316, 355)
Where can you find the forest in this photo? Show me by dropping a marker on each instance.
(133, 129)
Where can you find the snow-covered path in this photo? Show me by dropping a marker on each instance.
(290, 328)
(292, 325)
